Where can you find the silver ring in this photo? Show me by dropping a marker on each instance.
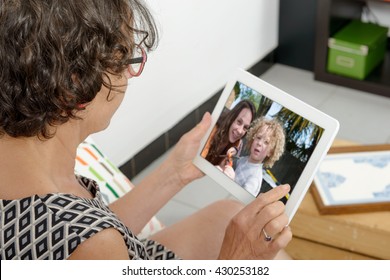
(266, 236)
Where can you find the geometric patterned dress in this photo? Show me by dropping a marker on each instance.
(51, 226)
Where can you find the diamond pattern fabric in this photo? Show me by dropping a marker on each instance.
(53, 225)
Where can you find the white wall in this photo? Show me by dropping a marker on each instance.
(202, 42)
(379, 13)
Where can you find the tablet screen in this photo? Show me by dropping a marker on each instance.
(258, 143)
(261, 137)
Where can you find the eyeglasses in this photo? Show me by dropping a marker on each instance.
(136, 64)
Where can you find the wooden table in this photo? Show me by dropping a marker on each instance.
(330, 237)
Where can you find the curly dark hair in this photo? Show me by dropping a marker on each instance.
(54, 55)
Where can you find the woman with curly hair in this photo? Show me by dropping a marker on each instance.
(266, 141)
(65, 67)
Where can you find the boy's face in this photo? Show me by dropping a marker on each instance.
(261, 146)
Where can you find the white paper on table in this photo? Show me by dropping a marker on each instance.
(354, 178)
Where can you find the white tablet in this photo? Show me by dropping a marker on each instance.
(261, 137)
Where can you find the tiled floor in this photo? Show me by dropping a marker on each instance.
(363, 117)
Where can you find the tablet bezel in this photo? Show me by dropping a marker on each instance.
(329, 125)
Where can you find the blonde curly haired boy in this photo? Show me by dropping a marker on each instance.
(266, 144)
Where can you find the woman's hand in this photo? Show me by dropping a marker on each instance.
(260, 230)
(229, 171)
(185, 151)
(156, 189)
(231, 152)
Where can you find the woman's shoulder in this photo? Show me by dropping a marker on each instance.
(107, 244)
(59, 223)
(28, 192)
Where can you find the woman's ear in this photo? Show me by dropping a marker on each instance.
(82, 106)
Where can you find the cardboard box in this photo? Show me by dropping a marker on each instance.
(357, 49)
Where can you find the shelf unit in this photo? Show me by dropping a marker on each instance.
(331, 16)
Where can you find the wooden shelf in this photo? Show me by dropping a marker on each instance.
(331, 16)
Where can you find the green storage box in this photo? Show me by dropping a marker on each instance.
(357, 49)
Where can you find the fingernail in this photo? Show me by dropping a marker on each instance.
(286, 187)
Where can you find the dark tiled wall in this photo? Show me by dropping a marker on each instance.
(165, 141)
